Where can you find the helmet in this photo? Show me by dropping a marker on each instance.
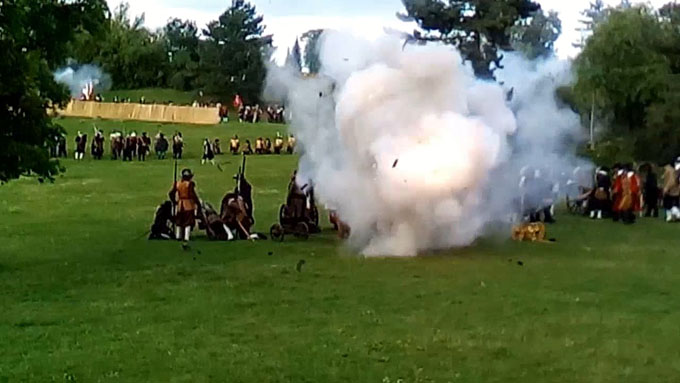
(187, 174)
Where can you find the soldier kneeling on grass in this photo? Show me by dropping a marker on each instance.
(183, 195)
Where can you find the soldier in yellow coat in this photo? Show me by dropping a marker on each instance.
(234, 145)
(291, 144)
(259, 146)
(278, 144)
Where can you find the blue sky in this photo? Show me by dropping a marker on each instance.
(287, 19)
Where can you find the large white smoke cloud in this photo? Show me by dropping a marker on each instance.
(77, 77)
(414, 152)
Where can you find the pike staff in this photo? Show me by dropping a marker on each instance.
(174, 203)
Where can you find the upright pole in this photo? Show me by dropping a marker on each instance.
(174, 204)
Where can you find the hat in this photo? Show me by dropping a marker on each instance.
(186, 173)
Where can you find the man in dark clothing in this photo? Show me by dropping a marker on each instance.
(651, 191)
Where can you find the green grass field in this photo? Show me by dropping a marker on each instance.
(84, 297)
(153, 95)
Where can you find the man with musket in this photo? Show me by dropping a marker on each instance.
(183, 195)
(98, 145)
(237, 207)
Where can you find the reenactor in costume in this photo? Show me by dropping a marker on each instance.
(183, 195)
(234, 145)
(61, 147)
(248, 149)
(81, 145)
(600, 197)
(278, 144)
(291, 144)
(143, 145)
(259, 146)
(627, 191)
(98, 145)
(208, 154)
(130, 147)
(267, 146)
(117, 145)
(671, 191)
(217, 147)
(651, 191)
(161, 146)
(177, 146)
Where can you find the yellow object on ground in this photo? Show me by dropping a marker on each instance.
(142, 112)
(530, 232)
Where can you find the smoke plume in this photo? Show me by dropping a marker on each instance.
(413, 152)
(77, 77)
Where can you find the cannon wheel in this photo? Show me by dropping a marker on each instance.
(277, 233)
(283, 213)
(301, 231)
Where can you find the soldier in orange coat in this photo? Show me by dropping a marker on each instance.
(627, 195)
(186, 201)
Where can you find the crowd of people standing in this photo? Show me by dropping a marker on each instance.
(622, 193)
(129, 146)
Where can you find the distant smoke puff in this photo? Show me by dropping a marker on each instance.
(77, 77)
(413, 152)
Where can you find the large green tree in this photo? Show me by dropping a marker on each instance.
(181, 44)
(535, 37)
(479, 28)
(630, 68)
(34, 38)
(233, 54)
(132, 55)
(623, 67)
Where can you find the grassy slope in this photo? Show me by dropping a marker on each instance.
(84, 297)
(160, 96)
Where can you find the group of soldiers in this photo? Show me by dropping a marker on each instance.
(176, 218)
(253, 114)
(128, 146)
(624, 192)
(263, 145)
